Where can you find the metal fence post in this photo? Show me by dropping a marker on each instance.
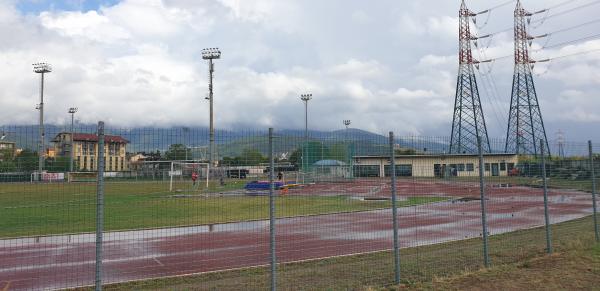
(593, 172)
(99, 206)
(486, 257)
(546, 214)
(394, 210)
(272, 214)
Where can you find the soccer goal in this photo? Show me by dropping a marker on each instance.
(82, 177)
(190, 171)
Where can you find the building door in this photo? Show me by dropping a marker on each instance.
(495, 170)
(438, 171)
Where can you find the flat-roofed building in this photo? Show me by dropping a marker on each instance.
(457, 165)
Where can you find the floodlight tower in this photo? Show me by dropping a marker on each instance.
(468, 122)
(305, 98)
(347, 124)
(211, 54)
(525, 123)
(72, 111)
(42, 69)
(561, 143)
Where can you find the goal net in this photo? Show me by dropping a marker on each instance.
(188, 175)
(175, 175)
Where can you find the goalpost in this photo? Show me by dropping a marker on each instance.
(187, 169)
(172, 172)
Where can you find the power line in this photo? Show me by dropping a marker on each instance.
(550, 59)
(567, 11)
(575, 54)
(590, 37)
(562, 4)
(553, 15)
(491, 88)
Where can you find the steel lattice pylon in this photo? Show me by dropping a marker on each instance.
(468, 122)
(525, 123)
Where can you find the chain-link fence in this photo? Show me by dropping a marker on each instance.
(166, 209)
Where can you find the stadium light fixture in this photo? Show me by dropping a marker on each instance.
(211, 53)
(347, 123)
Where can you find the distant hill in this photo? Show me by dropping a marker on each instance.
(230, 142)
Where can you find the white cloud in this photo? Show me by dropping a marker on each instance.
(385, 65)
(85, 25)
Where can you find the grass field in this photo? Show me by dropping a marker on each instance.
(574, 268)
(42, 209)
(447, 266)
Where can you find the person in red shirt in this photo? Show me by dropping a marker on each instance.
(194, 178)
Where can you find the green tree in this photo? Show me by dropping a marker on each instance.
(59, 164)
(26, 160)
(252, 157)
(294, 158)
(338, 152)
(7, 166)
(177, 152)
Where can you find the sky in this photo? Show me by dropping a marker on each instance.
(386, 65)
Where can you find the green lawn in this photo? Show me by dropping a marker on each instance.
(42, 209)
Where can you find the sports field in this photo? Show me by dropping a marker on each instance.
(338, 224)
(59, 208)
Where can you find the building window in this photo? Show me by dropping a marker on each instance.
(401, 170)
(502, 166)
(487, 167)
(366, 171)
(122, 164)
(461, 167)
(79, 161)
(110, 163)
(84, 163)
(470, 167)
(92, 163)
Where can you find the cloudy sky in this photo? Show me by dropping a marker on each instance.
(386, 65)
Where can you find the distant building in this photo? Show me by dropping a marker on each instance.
(86, 151)
(457, 165)
(8, 150)
(51, 153)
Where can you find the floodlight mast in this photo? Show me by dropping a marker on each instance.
(347, 124)
(42, 69)
(305, 98)
(72, 111)
(211, 54)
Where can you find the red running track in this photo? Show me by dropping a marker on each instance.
(56, 262)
